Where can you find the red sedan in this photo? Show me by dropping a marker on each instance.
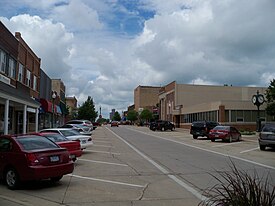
(226, 133)
(32, 157)
(73, 146)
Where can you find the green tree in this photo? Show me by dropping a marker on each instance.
(270, 97)
(146, 115)
(117, 116)
(87, 110)
(132, 116)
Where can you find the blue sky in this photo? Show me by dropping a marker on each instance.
(106, 48)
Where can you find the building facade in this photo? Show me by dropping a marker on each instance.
(19, 84)
(71, 103)
(183, 104)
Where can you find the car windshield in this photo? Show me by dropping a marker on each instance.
(198, 124)
(55, 137)
(69, 132)
(226, 128)
(34, 142)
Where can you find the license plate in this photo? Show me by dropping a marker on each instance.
(72, 156)
(54, 158)
(216, 135)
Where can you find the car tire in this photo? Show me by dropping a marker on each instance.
(12, 178)
(262, 147)
(195, 137)
(212, 140)
(230, 139)
(56, 179)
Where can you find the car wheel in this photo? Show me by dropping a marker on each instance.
(212, 140)
(262, 147)
(162, 129)
(195, 137)
(12, 178)
(56, 179)
(230, 139)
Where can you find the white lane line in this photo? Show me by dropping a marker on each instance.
(101, 162)
(249, 150)
(97, 145)
(101, 152)
(163, 170)
(226, 144)
(107, 181)
(211, 151)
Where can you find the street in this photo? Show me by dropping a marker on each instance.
(129, 165)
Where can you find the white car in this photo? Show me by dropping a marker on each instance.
(71, 134)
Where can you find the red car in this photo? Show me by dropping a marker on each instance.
(32, 157)
(226, 133)
(73, 146)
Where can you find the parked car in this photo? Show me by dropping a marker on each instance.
(225, 133)
(32, 157)
(162, 125)
(202, 128)
(82, 129)
(267, 136)
(114, 124)
(71, 134)
(81, 121)
(73, 146)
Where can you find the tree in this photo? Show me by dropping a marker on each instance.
(146, 115)
(117, 116)
(87, 110)
(270, 97)
(132, 116)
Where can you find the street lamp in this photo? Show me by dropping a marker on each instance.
(53, 98)
(258, 100)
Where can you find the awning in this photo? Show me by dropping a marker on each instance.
(46, 105)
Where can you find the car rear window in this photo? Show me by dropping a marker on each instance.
(55, 137)
(269, 128)
(198, 124)
(222, 128)
(34, 142)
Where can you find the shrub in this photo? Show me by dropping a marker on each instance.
(238, 188)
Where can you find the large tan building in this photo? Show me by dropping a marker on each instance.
(146, 97)
(184, 103)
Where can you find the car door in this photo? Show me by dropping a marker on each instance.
(5, 144)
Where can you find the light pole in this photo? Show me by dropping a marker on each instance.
(258, 100)
(53, 98)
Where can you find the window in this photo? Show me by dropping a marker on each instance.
(12, 67)
(28, 78)
(3, 57)
(20, 73)
(34, 83)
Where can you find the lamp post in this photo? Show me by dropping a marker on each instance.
(258, 100)
(53, 98)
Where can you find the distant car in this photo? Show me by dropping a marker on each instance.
(81, 121)
(71, 134)
(73, 146)
(32, 157)
(225, 133)
(202, 128)
(162, 125)
(267, 136)
(114, 124)
(82, 129)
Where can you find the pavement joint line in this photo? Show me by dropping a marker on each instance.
(249, 150)
(211, 151)
(15, 201)
(96, 151)
(107, 181)
(163, 170)
(101, 162)
(223, 145)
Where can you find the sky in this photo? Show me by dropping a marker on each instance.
(107, 48)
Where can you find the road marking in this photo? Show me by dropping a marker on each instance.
(101, 152)
(164, 171)
(101, 141)
(109, 163)
(207, 150)
(107, 181)
(250, 150)
(222, 145)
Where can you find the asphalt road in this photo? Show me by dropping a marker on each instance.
(130, 165)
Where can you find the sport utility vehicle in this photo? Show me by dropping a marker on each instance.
(162, 125)
(267, 136)
(202, 128)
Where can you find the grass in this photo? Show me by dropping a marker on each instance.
(238, 188)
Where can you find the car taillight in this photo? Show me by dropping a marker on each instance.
(32, 159)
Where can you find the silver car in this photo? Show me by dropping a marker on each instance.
(267, 136)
